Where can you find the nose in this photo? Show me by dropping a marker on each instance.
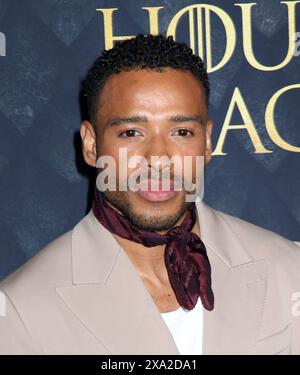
(157, 147)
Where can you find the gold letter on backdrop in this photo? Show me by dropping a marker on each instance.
(247, 35)
(229, 30)
(109, 37)
(153, 19)
(270, 123)
(238, 100)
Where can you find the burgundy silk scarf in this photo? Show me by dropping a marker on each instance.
(186, 259)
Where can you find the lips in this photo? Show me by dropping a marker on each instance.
(158, 193)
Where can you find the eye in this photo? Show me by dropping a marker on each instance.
(129, 133)
(183, 133)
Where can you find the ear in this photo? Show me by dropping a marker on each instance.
(208, 150)
(88, 136)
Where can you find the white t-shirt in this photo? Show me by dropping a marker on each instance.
(186, 327)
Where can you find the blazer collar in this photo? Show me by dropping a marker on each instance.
(218, 235)
(94, 252)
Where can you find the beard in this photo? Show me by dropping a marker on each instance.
(119, 200)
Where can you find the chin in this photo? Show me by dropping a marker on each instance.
(156, 216)
(149, 215)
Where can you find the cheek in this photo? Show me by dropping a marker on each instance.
(121, 157)
(193, 147)
(193, 159)
(110, 142)
(108, 145)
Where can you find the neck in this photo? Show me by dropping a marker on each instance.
(149, 261)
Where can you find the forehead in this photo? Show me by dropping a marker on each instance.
(152, 92)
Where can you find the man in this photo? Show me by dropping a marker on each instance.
(146, 272)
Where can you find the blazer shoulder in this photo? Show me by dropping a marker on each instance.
(49, 266)
(27, 289)
(262, 243)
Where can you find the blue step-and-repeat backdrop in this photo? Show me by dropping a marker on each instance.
(252, 52)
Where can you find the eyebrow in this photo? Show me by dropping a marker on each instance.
(116, 121)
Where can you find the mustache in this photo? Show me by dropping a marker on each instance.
(162, 179)
(157, 176)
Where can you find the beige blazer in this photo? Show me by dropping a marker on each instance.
(82, 295)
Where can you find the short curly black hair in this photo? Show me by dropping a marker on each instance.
(153, 52)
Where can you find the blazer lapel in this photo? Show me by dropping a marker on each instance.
(248, 317)
(108, 296)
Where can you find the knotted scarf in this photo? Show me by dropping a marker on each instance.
(185, 254)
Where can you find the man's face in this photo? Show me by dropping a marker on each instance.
(150, 114)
